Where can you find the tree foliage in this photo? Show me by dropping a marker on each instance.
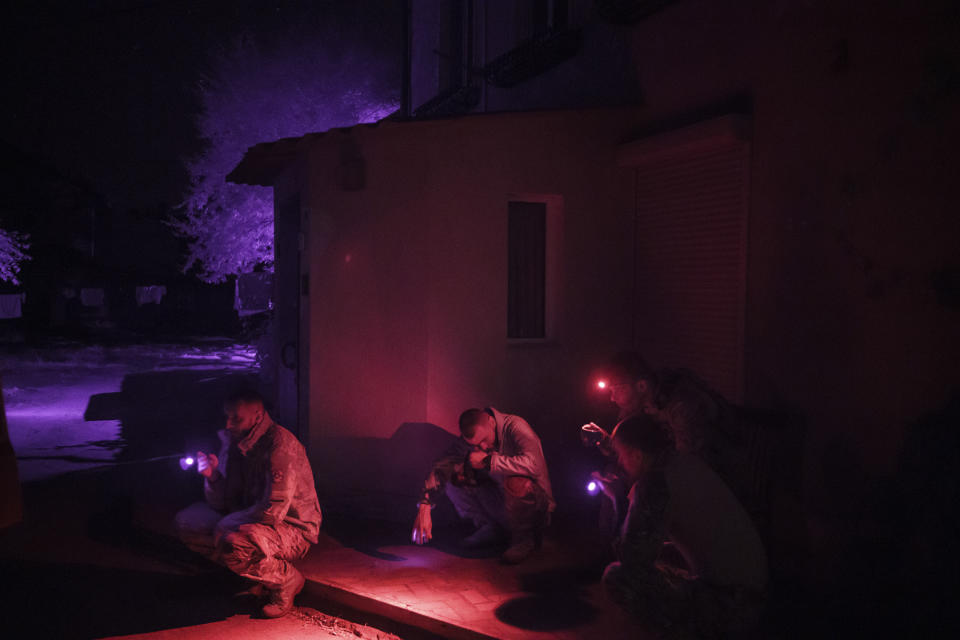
(13, 253)
(260, 91)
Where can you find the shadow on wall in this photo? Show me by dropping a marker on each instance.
(892, 551)
(916, 559)
(381, 478)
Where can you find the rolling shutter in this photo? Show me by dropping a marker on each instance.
(690, 259)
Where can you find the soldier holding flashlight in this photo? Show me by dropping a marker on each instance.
(261, 511)
(628, 379)
(495, 476)
(677, 399)
(688, 553)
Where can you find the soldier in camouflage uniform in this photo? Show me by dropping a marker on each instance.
(261, 511)
(496, 476)
(692, 414)
(696, 415)
(690, 561)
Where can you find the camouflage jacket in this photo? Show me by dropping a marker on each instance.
(266, 474)
(517, 452)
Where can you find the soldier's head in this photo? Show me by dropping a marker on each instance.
(479, 429)
(631, 383)
(640, 443)
(244, 410)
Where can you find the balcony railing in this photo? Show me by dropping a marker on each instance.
(533, 57)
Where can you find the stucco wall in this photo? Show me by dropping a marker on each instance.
(852, 213)
(408, 297)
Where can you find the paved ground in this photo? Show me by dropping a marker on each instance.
(553, 595)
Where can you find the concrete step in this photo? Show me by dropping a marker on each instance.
(438, 593)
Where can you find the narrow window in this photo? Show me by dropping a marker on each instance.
(526, 270)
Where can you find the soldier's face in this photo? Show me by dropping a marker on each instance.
(485, 435)
(622, 393)
(631, 460)
(630, 396)
(242, 417)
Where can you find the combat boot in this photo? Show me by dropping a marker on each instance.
(522, 544)
(526, 541)
(281, 600)
(519, 551)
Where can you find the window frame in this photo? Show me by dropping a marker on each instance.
(552, 265)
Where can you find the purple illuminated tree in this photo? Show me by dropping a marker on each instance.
(258, 91)
(13, 253)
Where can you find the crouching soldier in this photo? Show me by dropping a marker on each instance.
(261, 511)
(690, 559)
(497, 478)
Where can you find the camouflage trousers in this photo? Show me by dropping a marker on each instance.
(255, 551)
(519, 506)
(678, 605)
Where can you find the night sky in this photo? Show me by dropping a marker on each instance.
(104, 90)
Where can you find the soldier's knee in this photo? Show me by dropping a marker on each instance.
(519, 486)
(234, 542)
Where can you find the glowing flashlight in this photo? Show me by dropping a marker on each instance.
(601, 384)
(593, 487)
(186, 462)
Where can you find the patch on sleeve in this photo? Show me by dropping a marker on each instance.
(277, 475)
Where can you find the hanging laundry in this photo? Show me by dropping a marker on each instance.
(151, 294)
(11, 305)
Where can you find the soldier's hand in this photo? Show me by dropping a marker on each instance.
(476, 458)
(423, 525)
(593, 435)
(608, 483)
(207, 463)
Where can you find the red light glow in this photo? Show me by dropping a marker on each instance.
(601, 384)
